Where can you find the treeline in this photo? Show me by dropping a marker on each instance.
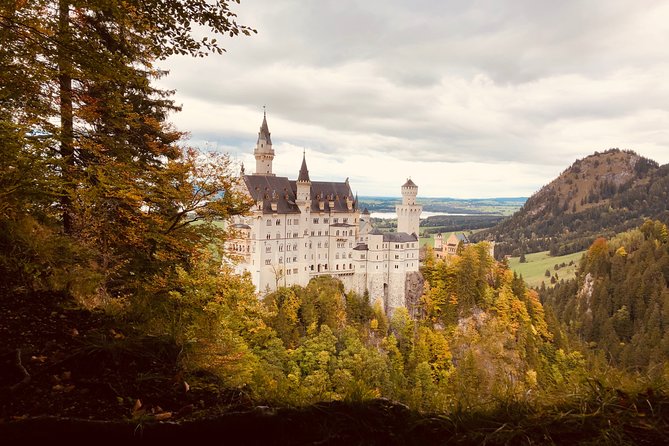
(618, 305)
(451, 223)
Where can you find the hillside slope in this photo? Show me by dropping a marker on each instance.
(618, 304)
(602, 194)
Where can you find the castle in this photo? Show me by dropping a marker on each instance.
(300, 229)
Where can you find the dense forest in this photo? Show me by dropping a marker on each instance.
(618, 305)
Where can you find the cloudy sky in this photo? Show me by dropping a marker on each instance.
(469, 98)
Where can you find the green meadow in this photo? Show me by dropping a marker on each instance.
(534, 269)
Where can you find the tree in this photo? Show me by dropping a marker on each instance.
(78, 106)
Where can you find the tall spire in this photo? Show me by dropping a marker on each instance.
(264, 128)
(264, 154)
(304, 172)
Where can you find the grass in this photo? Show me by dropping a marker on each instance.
(534, 269)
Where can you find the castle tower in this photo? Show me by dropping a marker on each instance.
(303, 184)
(263, 152)
(408, 213)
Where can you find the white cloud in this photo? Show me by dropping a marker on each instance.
(470, 99)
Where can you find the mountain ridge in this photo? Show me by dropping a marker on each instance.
(599, 195)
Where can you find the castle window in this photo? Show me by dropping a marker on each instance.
(337, 256)
(295, 259)
(350, 254)
(278, 222)
(280, 260)
(319, 232)
(288, 221)
(345, 220)
(335, 220)
(278, 236)
(280, 248)
(337, 267)
(295, 221)
(319, 244)
(337, 232)
(294, 270)
(268, 262)
(269, 236)
(315, 221)
(268, 249)
(312, 233)
(269, 222)
(326, 232)
(326, 244)
(326, 220)
(350, 266)
(397, 266)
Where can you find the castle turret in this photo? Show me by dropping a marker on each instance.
(263, 152)
(408, 213)
(303, 186)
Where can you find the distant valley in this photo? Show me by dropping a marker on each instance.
(467, 206)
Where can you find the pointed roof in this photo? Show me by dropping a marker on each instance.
(409, 183)
(264, 129)
(304, 172)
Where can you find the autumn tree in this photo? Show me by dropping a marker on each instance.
(79, 106)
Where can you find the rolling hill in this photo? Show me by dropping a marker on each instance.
(602, 194)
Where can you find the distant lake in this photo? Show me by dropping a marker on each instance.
(424, 214)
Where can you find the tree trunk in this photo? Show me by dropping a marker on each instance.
(66, 112)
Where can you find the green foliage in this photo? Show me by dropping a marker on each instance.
(618, 302)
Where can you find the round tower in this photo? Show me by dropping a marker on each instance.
(409, 192)
(408, 213)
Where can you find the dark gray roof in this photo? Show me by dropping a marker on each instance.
(342, 225)
(375, 231)
(399, 237)
(241, 226)
(324, 190)
(304, 172)
(264, 130)
(462, 237)
(365, 211)
(268, 188)
(283, 191)
(409, 183)
(361, 247)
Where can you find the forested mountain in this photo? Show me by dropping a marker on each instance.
(600, 195)
(618, 305)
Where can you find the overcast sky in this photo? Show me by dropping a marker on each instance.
(468, 98)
